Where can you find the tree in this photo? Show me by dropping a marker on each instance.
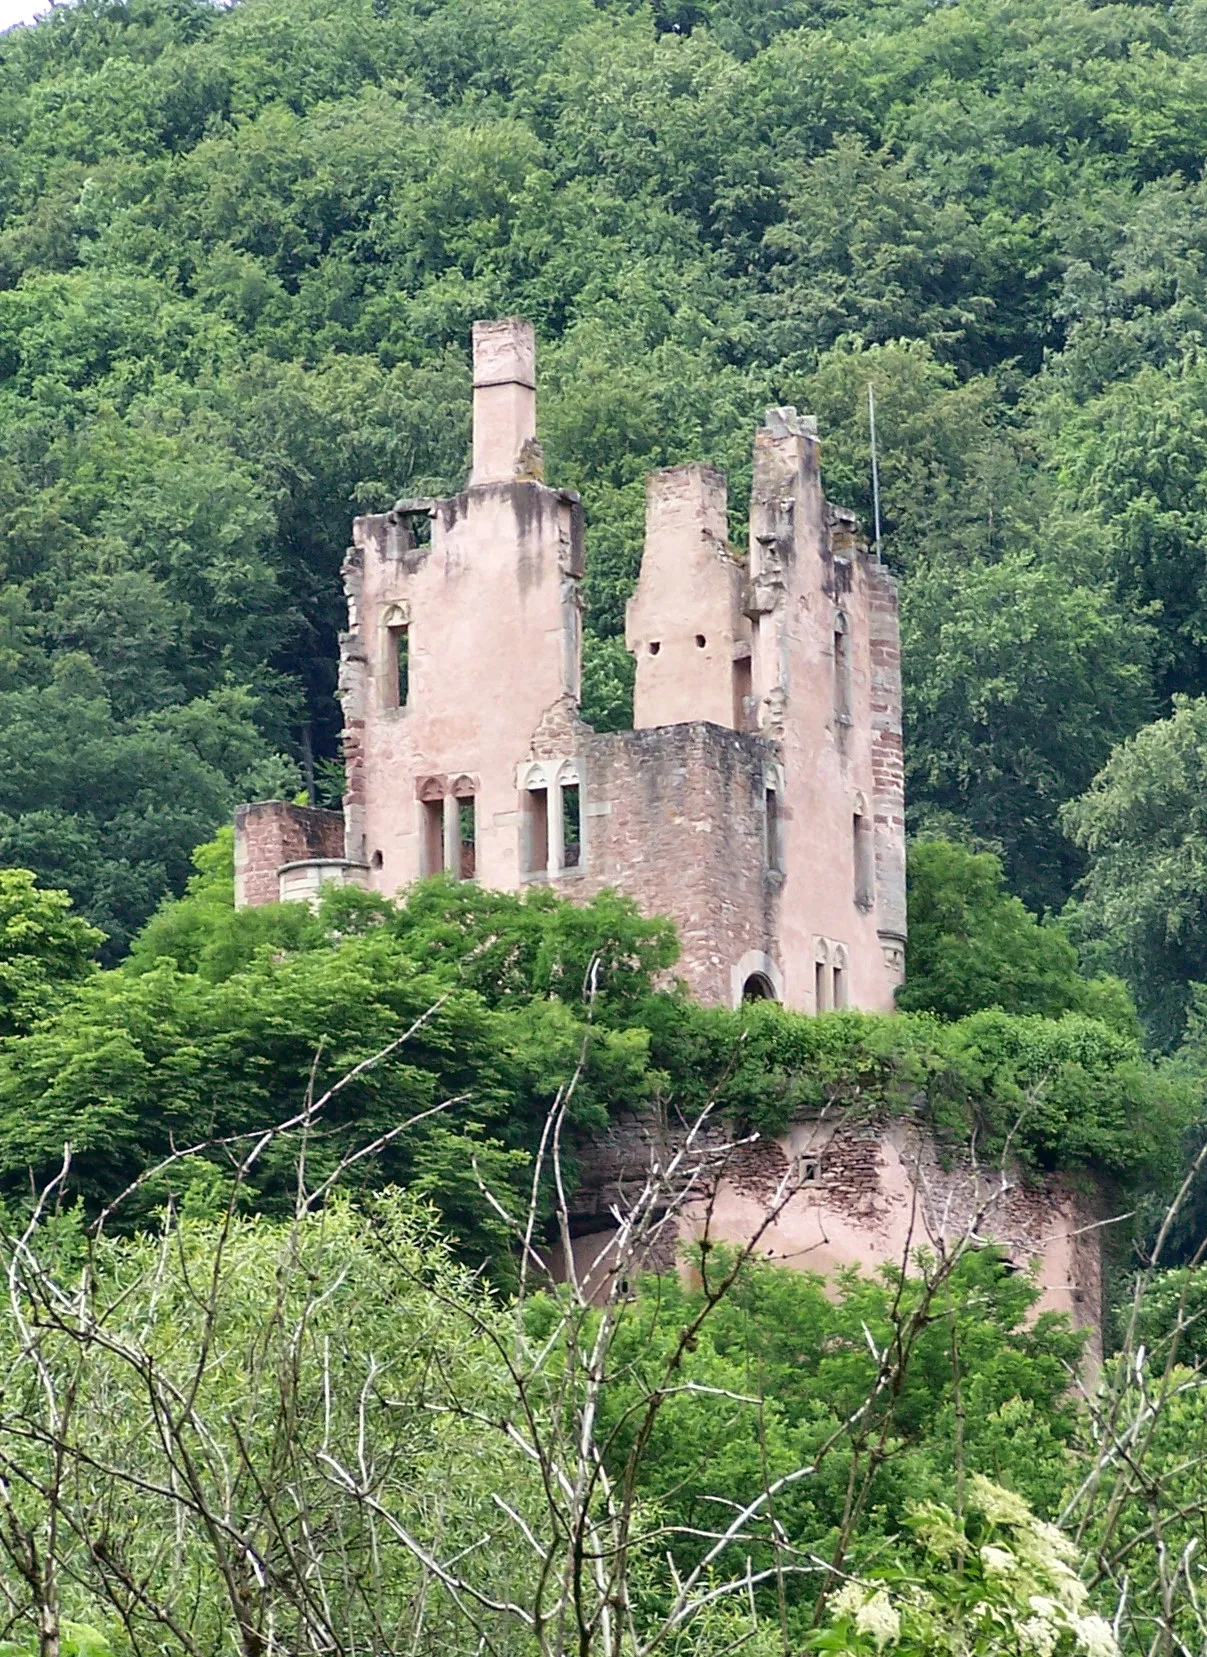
(44, 948)
(1018, 681)
(1143, 902)
(973, 944)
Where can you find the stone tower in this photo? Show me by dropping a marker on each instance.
(758, 800)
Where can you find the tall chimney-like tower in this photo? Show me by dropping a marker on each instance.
(505, 444)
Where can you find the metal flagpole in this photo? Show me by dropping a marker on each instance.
(875, 467)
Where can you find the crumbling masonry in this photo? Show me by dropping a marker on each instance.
(758, 800)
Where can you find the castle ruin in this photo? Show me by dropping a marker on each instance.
(758, 801)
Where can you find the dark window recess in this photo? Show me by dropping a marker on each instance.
(840, 987)
(772, 847)
(572, 833)
(655, 646)
(433, 836)
(701, 641)
(758, 987)
(810, 1170)
(742, 691)
(377, 860)
(537, 830)
(398, 686)
(467, 824)
(820, 999)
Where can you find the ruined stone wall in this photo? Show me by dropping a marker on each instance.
(867, 1192)
(760, 800)
(825, 688)
(488, 609)
(684, 623)
(270, 833)
(675, 819)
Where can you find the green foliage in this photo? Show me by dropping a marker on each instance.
(1143, 906)
(223, 1022)
(43, 947)
(991, 1579)
(306, 1341)
(972, 945)
(1170, 1316)
(1070, 1092)
(240, 249)
(791, 1358)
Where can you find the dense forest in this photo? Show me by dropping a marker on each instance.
(282, 1364)
(241, 249)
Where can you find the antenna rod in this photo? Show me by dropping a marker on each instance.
(875, 467)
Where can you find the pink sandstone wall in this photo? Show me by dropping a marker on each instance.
(684, 624)
(675, 817)
(878, 1194)
(759, 800)
(811, 584)
(490, 607)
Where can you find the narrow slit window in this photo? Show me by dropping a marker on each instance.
(771, 847)
(842, 671)
(398, 669)
(467, 837)
(862, 852)
(433, 836)
(742, 691)
(821, 999)
(840, 987)
(536, 828)
(572, 834)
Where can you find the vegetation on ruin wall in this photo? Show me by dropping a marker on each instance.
(241, 248)
(222, 1021)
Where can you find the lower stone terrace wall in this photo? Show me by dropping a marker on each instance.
(867, 1193)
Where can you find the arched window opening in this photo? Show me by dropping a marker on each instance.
(758, 987)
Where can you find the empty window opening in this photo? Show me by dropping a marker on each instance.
(758, 987)
(742, 692)
(433, 836)
(467, 838)
(810, 1170)
(536, 830)
(771, 846)
(842, 671)
(701, 641)
(840, 987)
(398, 671)
(655, 646)
(821, 987)
(377, 860)
(572, 834)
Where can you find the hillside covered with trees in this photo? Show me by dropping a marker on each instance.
(285, 1366)
(240, 251)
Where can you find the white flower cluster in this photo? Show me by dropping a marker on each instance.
(874, 1612)
(1033, 1595)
